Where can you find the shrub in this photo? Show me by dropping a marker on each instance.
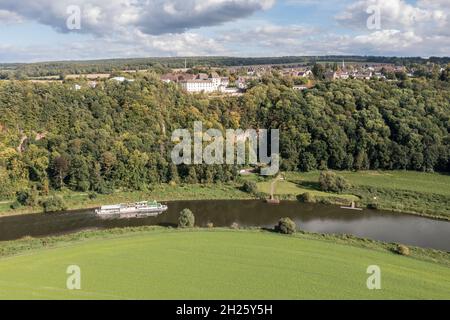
(27, 198)
(330, 181)
(54, 204)
(373, 205)
(15, 205)
(92, 195)
(402, 250)
(105, 188)
(172, 183)
(186, 219)
(307, 197)
(286, 226)
(250, 187)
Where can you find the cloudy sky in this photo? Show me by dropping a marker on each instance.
(43, 30)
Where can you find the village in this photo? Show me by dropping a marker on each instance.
(235, 80)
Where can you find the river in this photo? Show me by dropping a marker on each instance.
(376, 225)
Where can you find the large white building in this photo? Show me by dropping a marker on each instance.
(199, 85)
(215, 83)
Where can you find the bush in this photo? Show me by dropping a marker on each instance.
(54, 204)
(105, 188)
(286, 226)
(373, 205)
(186, 219)
(15, 205)
(330, 181)
(92, 195)
(402, 250)
(27, 198)
(250, 187)
(307, 197)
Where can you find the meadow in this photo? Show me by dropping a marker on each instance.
(216, 264)
(421, 193)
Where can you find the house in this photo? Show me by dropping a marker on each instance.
(304, 74)
(214, 83)
(225, 81)
(300, 88)
(198, 85)
(241, 83)
(121, 79)
(170, 77)
(342, 75)
(202, 76)
(331, 75)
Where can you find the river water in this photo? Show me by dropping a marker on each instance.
(377, 225)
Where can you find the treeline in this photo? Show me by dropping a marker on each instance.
(20, 71)
(119, 134)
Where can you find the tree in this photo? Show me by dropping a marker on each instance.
(286, 226)
(54, 204)
(186, 219)
(319, 71)
(27, 198)
(329, 181)
(250, 187)
(60, 169)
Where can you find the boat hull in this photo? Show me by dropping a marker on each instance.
(131, 213)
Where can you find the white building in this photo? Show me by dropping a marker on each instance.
(199, 85)
(215, 83)
(122, 79)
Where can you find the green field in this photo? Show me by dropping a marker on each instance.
(219, 264)
(401, 180)
(421, 193)
(286, 187)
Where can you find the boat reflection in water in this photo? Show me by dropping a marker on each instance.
(132, 210)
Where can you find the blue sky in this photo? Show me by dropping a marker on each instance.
(36, 30)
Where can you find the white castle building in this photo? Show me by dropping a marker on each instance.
(212, 84)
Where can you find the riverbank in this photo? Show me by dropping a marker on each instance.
(143, 263)
(418, 193)
(163, 192)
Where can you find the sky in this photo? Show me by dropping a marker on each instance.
(48, 30)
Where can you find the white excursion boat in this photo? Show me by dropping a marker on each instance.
(132, 210)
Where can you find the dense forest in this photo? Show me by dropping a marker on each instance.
(21, 71)
(118, 135)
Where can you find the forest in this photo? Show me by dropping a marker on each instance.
(118, 135)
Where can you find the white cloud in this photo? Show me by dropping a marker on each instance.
(149, 16)
(8, 17)
(133, 28)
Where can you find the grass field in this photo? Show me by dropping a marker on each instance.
(220, 264)
(285, 187)
(421, 193)
(401, 180)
